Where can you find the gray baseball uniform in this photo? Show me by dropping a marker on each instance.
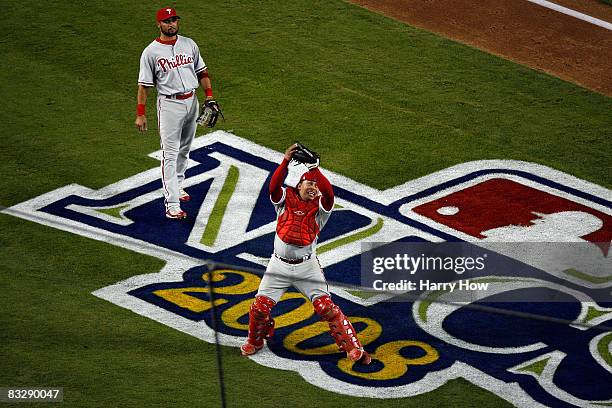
(173, 68)
(301, 213)
(306, 276)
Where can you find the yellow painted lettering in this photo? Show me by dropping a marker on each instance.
(182, 298)
(292, 342)
(394, 364)
(231, 316)
(249, 283)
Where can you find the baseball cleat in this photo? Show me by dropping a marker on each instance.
(248, 349)
(359, 355)
(183, 195)
(176, 214)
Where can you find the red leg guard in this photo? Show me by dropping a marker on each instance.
(261, 325)
(341, 329)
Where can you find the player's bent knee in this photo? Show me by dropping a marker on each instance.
(261, 324)
(261, 307)
(325, 308)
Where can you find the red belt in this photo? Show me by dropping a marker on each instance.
(181, 97)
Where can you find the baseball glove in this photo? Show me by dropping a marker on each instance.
(209, 114)
(304, 155)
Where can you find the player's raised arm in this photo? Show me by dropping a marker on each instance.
(326, 189)
(276, 183)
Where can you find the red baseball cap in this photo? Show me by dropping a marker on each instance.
(309, 175)
(166, 13)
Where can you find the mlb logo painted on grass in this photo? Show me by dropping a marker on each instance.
(524, 204)
(418, 346)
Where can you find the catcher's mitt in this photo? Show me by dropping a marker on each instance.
(209, 114)
(304, 155)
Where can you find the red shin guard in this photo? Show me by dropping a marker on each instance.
(261, 324)
(341, 329)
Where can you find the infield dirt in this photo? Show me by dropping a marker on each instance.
(547, 40)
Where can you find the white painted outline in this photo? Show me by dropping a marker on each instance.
(121, 220)
(572, 13)
(593, 348)
(178, 263)
(447, 303)
(309, 370)
(546, 379)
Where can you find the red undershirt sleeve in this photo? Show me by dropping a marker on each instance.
(276, 183)
(326, 189)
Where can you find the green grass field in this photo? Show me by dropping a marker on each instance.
(382, 102)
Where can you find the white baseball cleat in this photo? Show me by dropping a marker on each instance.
(183, 195)
(176, 214)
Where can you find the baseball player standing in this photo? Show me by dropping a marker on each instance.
(301, 213)
(173, 64)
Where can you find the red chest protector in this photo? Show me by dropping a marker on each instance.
(297, 225)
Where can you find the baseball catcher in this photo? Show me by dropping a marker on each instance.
(301, 214)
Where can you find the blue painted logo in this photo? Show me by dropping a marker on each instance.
(417, 346)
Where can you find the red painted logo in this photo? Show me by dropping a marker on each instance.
(179, 60)
(501, 208)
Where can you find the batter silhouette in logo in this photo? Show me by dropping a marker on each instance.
(555, 255)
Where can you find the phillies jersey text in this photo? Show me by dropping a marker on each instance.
(172, 67)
